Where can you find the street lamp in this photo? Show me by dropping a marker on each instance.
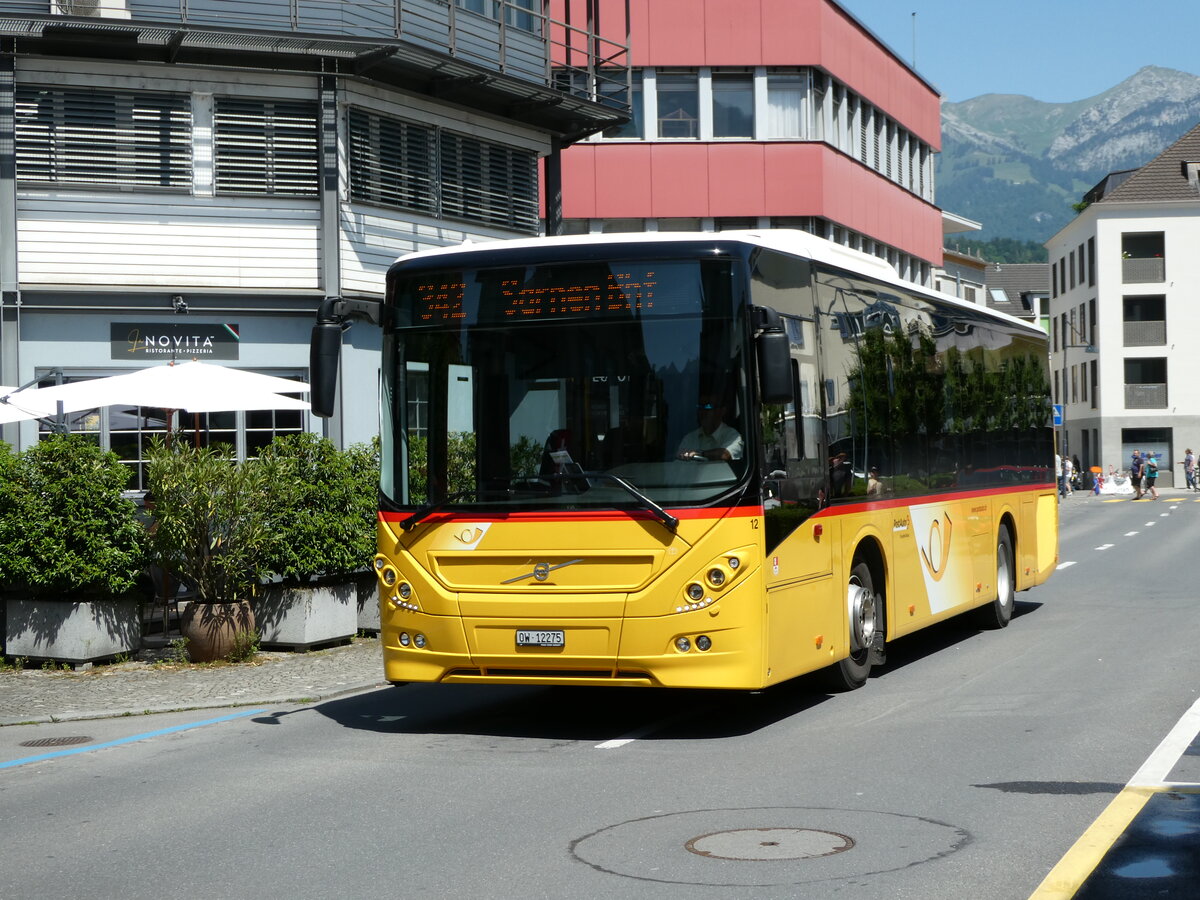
(1086, 347)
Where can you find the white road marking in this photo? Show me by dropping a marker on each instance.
(1104, 546)
(1154, 771)
(1064, 565)
(1149, 524)
(615, 743)
(1130, 533)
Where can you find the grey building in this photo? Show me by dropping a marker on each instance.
(191, 179)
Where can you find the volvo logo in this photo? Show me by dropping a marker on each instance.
(541, 571)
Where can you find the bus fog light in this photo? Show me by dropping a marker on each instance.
(404, 639)
(695, 591)
(716, 577)
(405, 590)
(703, 642)
(734, 562)
(683, 645)
(419, 641)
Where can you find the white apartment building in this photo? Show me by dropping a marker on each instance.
(192, 179)
(1125, 347)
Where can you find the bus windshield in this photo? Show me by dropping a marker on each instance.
(532, 387)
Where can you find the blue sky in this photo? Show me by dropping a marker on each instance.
(1052, 50)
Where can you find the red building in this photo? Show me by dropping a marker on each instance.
(765, 113)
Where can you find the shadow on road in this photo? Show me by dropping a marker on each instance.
(568, 714)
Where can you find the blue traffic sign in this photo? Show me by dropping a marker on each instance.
(1058, 415)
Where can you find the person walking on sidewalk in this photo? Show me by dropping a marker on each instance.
(1135, 474)
(1067, 471)
(1189, 469)
(1150, 476)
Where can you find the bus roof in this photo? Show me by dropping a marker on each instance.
(785, 240)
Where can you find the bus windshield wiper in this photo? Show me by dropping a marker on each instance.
(430, 508)
(661, 514)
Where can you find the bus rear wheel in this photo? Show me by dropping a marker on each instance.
(999, 612)
(863, 605)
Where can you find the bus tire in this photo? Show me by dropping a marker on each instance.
(864, 608)
(998, 613)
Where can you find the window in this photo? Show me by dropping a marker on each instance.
(613, 93)
(1091, 262)
(265, 147)
(402, 164)
(1095, 385)
(1146, 383)
(678, 106)
(785, 101)
(1144, 320)
(489, 183)
(733, 106)
(392, 162)
(1142, 257)
(123, 138)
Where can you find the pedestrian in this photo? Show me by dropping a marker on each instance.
(1189, 469)
(1150, 475)
(1135, 473)
(1068, 469)
(1076, 472)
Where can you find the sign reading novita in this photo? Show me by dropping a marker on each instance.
(150, 340)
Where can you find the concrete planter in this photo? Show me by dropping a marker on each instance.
(368, 603)
(296, 617)
(71, 631)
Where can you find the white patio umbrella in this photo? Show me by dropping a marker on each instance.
(19, 406)
(194, 386)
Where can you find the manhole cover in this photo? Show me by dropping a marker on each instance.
(770, 843)
(766, 846)
(65, 741)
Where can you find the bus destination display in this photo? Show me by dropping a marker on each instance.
(508, 299)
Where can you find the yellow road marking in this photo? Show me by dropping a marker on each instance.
(1080, 861)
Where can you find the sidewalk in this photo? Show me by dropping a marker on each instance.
(36, 695)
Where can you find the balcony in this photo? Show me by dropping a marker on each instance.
(503, 63)
(1147, 270)
(1145, 334)
(1145, 396)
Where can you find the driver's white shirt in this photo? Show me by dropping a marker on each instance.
(724, 437)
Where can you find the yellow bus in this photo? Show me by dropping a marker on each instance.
(714, 460)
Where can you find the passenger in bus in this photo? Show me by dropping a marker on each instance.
(714, 439)
(874, 485)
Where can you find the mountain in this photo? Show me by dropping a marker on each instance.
(1016, 164)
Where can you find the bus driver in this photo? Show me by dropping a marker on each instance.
(713, 440)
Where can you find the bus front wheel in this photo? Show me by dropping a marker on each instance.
(999, 612)
(863, 606)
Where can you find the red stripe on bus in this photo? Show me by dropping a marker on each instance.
(708, 512)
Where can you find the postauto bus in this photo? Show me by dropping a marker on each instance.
(692, 460)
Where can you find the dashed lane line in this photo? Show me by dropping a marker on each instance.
(1064, 565)
(1105, 547)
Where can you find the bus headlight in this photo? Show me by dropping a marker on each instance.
(703, 642)
(389, 576)
(682, 644)
(405, 640)
(695, 591)
(716, 577)
(419, 642)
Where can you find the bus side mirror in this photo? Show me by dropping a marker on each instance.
(774, 356)
(324, 354)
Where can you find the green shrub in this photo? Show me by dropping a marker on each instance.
(212, 517)
(323, 522)
(65, 528)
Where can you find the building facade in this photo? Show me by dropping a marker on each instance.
(190, 180)
(766, 114)
(1126, 355)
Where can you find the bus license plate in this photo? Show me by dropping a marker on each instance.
(531, 638)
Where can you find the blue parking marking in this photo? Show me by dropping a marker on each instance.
(72, 751)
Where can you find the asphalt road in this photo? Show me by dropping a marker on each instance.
(965, 768)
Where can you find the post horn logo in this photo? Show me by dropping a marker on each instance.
(939, 545)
